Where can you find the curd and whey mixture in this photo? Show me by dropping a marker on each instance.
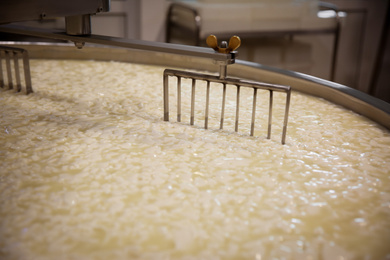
(89, 170)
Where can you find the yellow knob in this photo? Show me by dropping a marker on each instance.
(234, 43)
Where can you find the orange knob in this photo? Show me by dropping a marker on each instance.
(234, 43)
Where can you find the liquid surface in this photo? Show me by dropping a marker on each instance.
(89, 170)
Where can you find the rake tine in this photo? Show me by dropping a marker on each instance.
(223, 106)
(253, 111)
(287, 108)
(17, 72)
(27, 74)
(237, 108)
(1, 70)
(166, 98)
(192, 102)
(178, 99)
(9, 71)
(206, 119)
(270, 114)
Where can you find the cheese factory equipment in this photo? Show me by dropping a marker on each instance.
(168, 56)
(222, 78)
(78, 30)
(223, 56)
(77, 16)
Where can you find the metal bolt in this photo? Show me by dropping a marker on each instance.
(79, 45)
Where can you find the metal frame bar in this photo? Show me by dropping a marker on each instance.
(186, 50)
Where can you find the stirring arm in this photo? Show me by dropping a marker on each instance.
(120, 42)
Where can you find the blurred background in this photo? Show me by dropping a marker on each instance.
(346, 41)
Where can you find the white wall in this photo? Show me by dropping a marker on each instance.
(135, 19)
(153, 15)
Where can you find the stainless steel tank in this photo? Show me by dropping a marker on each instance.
(352, 99)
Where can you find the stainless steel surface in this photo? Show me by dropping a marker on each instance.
(78, 24)
(352, 99)
(13, 55)
(231, 81)
(77, 13)
(120, 42)
(20, 10)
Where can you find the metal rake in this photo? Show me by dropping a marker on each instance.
(9, 58)
(234, 43)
